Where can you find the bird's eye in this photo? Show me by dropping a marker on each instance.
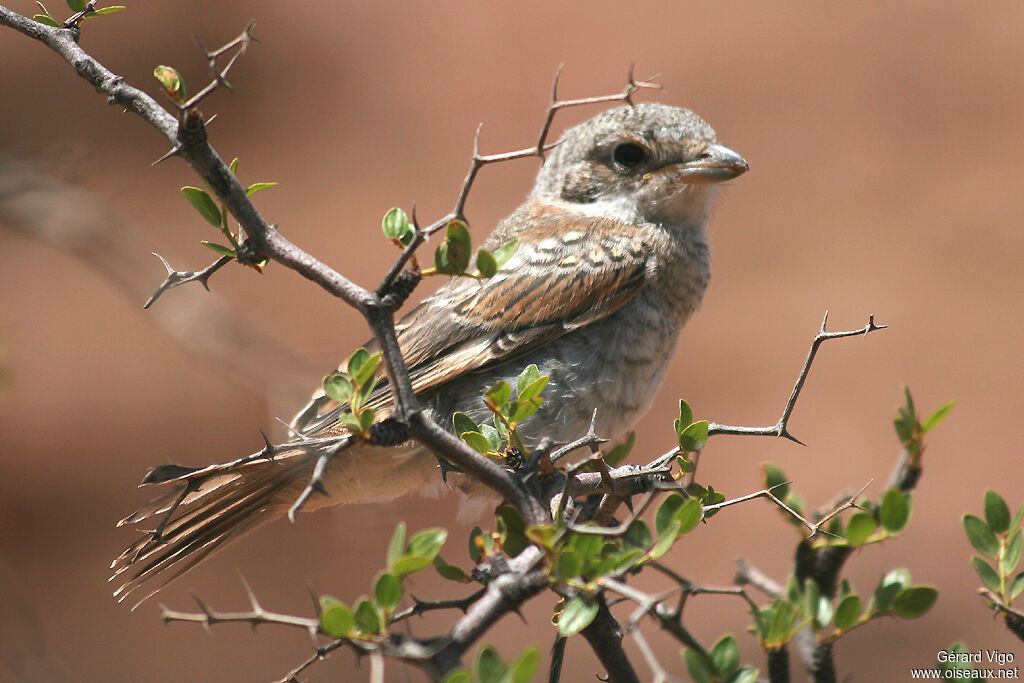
(628, 155)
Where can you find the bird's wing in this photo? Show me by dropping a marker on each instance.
(566, 274)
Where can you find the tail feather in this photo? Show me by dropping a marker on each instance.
(195, 523)
(212, 506)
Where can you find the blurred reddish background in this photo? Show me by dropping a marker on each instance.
(885, 144)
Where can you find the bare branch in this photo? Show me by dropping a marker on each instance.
(241, 42)
(813, 527)
(181, 277)
(255, 616)
(420, 607)
(747, 573)
(320, 655)
(780, 428)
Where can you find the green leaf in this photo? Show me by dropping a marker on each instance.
(492, 436)
(568, 566)
(895, 511)
(395, 224)
(625, 561)
(485, 263)
(464, 423)
(367, 618)
(397, 544)
(233, 166)
(689, 515)
(338, 387)
(544, 536)
(477, 441)
(503, 253)
(773, 477)
(617, 455)
(222, 250)
(351, 422)
(528, 376)
(725, 655)
(589, 546)
(914, 601)
(685, 416)
(675, 517)
(981, 536)
(1012, 556)
(903, 431)
(427, 542)
(256, 187)
(782, 620)
(847, 612)
(204, 204)
(533, 390)
(517, 412)
(911, 413)
(388, 590)
(46, 19)
(988, 575)
(76, 5)
(449, 571)
(667, 512)
(1016, 586)
(638, 535)
(408, 564)
(1018, 517)
(694, 436)
(489, 665)
(747, 674)
(997, 514)
(499, 394)
(859, 529)
(501, 429)
(887, 589)
(452, 256)
(698, 667)
(458, 676)
(937, 417)
(526, 666)
(512, 530)
(811, 597)
(577, 614)
(336, 619)
(360, 399)
(356, 362)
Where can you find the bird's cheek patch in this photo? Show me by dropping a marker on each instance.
(585, 184)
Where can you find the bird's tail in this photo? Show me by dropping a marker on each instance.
(209, 507)
(214, 505)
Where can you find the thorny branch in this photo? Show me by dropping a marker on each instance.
(181, 277)
(780, 428)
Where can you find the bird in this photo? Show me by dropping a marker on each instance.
(612, 261)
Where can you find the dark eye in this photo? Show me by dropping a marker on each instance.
(628, 155)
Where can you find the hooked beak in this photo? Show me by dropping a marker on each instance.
(716, 164)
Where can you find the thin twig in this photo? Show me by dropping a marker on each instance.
(242, 42)
(781, 428)
(321, 654)
(420, 607)
(181, 277)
